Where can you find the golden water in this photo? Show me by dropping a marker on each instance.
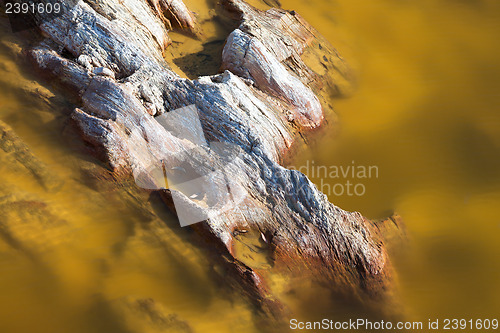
(425, 113)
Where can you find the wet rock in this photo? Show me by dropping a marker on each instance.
(392, 232)
(295, 44)
(176, 14)
(304, 233)
(247, 57)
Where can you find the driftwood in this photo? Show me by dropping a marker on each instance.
(108, 54)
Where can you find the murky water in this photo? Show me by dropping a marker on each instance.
(86, 257)
(426, 114)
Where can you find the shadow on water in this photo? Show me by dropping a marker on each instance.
(102, 318)
(205, 62)
(194, 57)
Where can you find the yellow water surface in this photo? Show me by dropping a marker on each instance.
(426, 113)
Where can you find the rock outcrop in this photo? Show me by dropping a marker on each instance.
(108, 55)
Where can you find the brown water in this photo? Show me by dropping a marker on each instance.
(425, 114)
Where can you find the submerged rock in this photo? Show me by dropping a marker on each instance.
(17, 150)
(146, 313)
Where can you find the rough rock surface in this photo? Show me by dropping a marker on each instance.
(175, 14)
(258, 103)
(267, 47)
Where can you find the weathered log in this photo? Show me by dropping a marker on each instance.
(259, 103)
